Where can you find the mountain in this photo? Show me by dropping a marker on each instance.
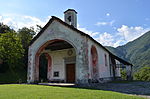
(137, 52)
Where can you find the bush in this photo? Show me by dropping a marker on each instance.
(143, 74)
(123, 74)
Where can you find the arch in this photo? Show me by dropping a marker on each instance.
(38, 52)
(44, 44)
(94, 61)
(45, 67)
(49, 65)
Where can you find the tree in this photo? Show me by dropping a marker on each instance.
(11, 50)
(123, 74)
(143, 74)
(5, 28)
(39, 28)
(26, 35)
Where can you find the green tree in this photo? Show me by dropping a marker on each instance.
(123, 74)
(11, 50)
(26, 36)
(143, 74)
(4, 28)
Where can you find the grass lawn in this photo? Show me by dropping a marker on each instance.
(16, 91)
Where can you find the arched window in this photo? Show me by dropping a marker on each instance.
(94, 61)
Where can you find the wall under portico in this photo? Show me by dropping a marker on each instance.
(58, 59)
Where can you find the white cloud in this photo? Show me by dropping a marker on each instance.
(91, 33)
(18, 21)
(105, 23)
(105, 39)
(123, 34)
(108, 14)
(101, 23)
(131, 33)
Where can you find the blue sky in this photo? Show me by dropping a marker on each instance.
(110, 22)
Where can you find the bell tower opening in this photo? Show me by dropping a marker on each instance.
(70, 17)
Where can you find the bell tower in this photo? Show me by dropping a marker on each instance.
(70, 17)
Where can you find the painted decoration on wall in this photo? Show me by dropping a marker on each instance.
(45, 63)
(70, 52)
(49, 66)
(94, 59)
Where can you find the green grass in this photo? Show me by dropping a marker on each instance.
(16, 91)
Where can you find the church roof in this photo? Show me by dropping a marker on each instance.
(82, 33)
(70, 10)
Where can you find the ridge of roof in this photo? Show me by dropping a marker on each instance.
(75, 29)
(71, 10)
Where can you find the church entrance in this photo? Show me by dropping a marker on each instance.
(55, 62)
(70, 73)
(43, 63)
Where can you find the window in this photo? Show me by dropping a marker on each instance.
(56, 74)
(106, 60)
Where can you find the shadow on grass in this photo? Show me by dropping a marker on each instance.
(127, 87)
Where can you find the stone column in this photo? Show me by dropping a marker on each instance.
(30, 71)
(82, 64)
(129, 72)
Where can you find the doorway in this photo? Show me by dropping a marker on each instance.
(70, 73)
(43, 68)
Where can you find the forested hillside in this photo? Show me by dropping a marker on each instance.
(137, 52)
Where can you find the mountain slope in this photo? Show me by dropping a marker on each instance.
(137, 52)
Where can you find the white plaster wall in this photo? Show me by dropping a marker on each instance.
(104, 71)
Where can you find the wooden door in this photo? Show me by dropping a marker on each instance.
(70, 73)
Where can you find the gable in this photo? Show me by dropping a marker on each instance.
(56, 22)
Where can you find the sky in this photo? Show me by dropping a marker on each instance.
(110, 22)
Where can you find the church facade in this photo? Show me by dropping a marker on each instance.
(71, 55)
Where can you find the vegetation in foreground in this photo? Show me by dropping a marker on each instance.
(14, 91)
(14, 53)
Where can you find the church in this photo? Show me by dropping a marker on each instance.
(62, 53)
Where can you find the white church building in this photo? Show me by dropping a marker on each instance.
(71, 55)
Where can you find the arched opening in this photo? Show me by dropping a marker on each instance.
(44, 66)
(55, 61)
(94, 61)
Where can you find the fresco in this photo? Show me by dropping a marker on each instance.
(94, 59)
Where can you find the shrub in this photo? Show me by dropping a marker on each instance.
(123, 74)
(143, 74)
